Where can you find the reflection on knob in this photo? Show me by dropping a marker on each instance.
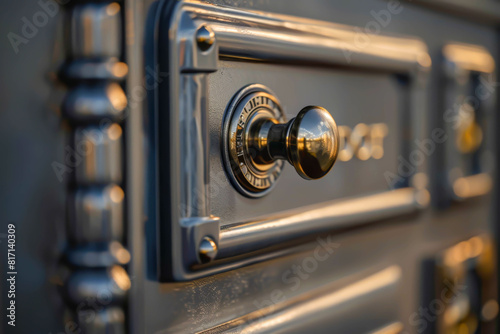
(310, 142)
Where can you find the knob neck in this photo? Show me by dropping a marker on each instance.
(268, 141)
(277, 141)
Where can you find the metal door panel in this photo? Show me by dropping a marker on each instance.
(377, 99)
(181, 182)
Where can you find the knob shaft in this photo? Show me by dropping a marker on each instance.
(310, 142)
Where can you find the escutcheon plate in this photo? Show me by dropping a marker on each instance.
(252, 104)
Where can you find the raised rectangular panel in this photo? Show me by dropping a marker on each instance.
(468, 115)
(460, 289)
(212, 52)
(376, 101)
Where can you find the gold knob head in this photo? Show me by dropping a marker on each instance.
(313, 142)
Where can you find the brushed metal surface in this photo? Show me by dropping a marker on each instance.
(326, 308)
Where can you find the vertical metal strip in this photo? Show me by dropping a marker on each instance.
(95, 106)
(135, 169)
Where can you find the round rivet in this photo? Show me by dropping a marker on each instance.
(208, 250)
(205, 38)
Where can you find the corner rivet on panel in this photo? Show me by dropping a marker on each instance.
(207, 250)
(205, 38)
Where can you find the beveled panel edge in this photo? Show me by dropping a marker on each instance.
(321, 303)
(241, 238)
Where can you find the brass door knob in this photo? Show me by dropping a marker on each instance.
(310, 142)
(257, 140)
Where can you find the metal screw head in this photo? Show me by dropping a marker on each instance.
(207, 250)
(205, 38)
